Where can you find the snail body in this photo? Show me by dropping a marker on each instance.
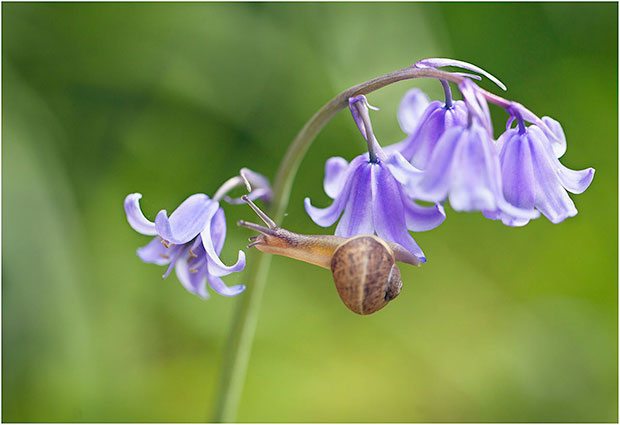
(363, 267)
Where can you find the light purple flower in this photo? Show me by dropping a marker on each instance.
(370, 196)
(533, 177)
(436, 120)
(464, 168)
(190, 241)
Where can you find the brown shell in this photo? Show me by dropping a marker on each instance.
(366, 274)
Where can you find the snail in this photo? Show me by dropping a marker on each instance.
(363, 267)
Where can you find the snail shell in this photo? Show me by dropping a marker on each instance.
(366, 274)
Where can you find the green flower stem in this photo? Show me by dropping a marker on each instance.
(239, 346)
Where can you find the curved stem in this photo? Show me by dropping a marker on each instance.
(244, 325)
(447, 92)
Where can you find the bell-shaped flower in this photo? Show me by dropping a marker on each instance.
(439, 117)
(369, 194)
(430, 125)
(533, 178)
(464, 168)
(190, 241)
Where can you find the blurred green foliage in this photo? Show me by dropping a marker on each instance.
(101, 100)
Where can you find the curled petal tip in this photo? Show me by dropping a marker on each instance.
(218, 285)
(215, 265)
(136, 218)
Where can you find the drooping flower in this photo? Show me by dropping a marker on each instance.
(436, 119)
(191, 239)
(464, 167)
(532, 175)
(369, 195)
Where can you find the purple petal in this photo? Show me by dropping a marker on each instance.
(357, 217)
(136, 218)
(473, 179)
(519, 186)
(335, 176)
(215, 265)
(187, 221)
(192, 279)
(155, 252)
(442, 62)
(405, 173)
(551, 200)
(218, 230)
(421, 219)
(508, 219)
(411, 109)
(325, 217)
(575, 181)
(557, 139)
(435, 184)
(388, 213)
(221, 288)
(430, 131)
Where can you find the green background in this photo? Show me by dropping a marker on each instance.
(101, 100)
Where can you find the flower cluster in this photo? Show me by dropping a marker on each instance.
(191, 239)
(450, 155)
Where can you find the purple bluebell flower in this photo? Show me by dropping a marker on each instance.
(436, 119)
(191, 239)
(439, 117)
(532, 175)
(464, 166)
(370, 195)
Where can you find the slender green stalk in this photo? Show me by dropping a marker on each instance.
(239, 346)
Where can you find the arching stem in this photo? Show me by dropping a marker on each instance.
(239, 345)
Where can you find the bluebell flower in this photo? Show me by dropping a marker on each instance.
(369, 193)
(533, 177)
(464, 166)
(191, 239)
(435, 120)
